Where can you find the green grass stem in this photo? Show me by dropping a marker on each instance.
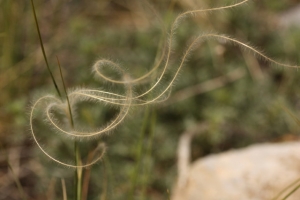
(139, 155)
(291, 192)
(148, 153)
(43, 49)
(78, 172)
(287, 188)
(65, 90)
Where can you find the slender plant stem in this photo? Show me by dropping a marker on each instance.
(292, 192)
(109, 178)
(286, 189)
(103, 196)
(134, 178)
(148, 156)
(43, 49)
(87, 175)
(78, 172)
(67, 96)
(64, 189)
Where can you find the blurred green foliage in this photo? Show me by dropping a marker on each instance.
(141, 155)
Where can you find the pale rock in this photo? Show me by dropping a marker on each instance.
(257, 172)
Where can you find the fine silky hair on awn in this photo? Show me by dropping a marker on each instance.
(129, 97)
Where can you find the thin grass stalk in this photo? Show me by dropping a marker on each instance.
(43, 49)
(64, 189)
(86, 178)
(67, 97)
(78, 171)
(140, 149)
(87, 171)
(108, 173)
(103, 196)
(148, 153)
(286, 189)
(291, 192)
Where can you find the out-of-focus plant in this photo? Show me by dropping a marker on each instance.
(59, 113)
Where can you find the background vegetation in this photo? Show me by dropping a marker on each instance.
(242, 105)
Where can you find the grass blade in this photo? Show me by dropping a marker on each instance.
(43, 49)
(78, 172)
(65, 90)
